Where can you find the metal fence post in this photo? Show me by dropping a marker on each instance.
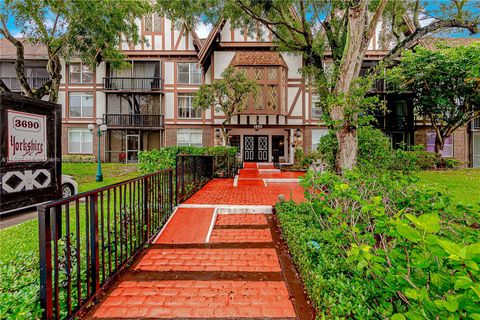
(94, 256)
(170, 183)
(146, 216)
(176, 180)
(45, 235)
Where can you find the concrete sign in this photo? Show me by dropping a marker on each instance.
(27, 137)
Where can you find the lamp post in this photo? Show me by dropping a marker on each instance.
(101, 128)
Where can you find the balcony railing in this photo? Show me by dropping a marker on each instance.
(381, 85)
(133, 120)
(130, 84)
(14, 85)
(476, 124)
(390, 122)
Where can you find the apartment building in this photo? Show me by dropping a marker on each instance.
(149, 104)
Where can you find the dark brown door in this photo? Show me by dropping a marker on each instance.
(255, 148)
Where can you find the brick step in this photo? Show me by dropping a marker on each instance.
(240, 235)
(235, 260)
(193, 299)
(241, 219)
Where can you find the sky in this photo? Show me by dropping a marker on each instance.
(431, 6)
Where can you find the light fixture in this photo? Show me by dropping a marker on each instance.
(99, 121)
(103, 127)
(91, 126)
(298, 133)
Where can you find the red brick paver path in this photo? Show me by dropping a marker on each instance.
(240, 273)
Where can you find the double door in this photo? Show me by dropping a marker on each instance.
(255, 148)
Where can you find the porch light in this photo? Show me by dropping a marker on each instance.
(101, 128)
(298, 133)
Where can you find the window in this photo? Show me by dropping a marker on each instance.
(80, 73)
(189, 73)
(79, 141)
(317, 111)
(80, 105)
(189, 137)
(317, 134)
(447, 148)
(153, 23)
(185, 108)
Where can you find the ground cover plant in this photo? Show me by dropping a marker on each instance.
(379, 245)
(19, 264)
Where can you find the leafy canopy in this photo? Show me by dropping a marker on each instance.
(444, 83)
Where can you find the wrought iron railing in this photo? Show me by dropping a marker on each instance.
(192, 173)
(14, 84)
(382, 85)
(128, 84)
(87, 239)
(133, 120)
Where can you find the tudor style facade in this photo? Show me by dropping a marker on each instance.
(149, 104)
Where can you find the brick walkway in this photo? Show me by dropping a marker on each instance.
(208, 263)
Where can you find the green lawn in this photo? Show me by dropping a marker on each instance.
(84, 174)
(24, 237)
(462, 185)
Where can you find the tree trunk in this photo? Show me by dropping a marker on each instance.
(439, 144)
(224, 134)
(54, 68)
(347, 150)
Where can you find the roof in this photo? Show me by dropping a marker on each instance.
(32, 51)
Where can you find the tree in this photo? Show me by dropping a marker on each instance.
(228, 94)
(93, 30)
(445, 85)
(338, 30)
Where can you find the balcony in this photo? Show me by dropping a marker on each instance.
(14, 85)
(382, 86)
(129, 84)
(394, 122)
(133, 120)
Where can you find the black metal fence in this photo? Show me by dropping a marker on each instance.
(192, 173)
(85, 240)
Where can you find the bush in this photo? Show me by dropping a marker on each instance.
(374, 149)
(377, 246)
(164, 158)
(79, 158)
(20, 287)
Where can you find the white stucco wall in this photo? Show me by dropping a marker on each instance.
(221, 61)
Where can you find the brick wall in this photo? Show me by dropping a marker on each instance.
(171, 135)
(307, 139)
(65, 128)
(460, 142)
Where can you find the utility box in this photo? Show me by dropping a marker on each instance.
(30, 151)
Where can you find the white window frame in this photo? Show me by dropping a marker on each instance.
(189, 132)
(81, 142)
(192, 112)
(448, 146)
(322, 132)
(192, 66)
(82, 72)
(315, 101)
(81, 95)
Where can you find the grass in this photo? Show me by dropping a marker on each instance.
(84, 174)
(24, 237)
(461, 185)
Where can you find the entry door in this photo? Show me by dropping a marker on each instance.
(255, 148)
(132, 147)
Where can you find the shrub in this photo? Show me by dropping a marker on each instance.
(378, 246)
(79, 158)
(164, 158)
(374, 148)
(20, 287)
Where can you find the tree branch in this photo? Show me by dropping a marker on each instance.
(20, 60)
(412, 40)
